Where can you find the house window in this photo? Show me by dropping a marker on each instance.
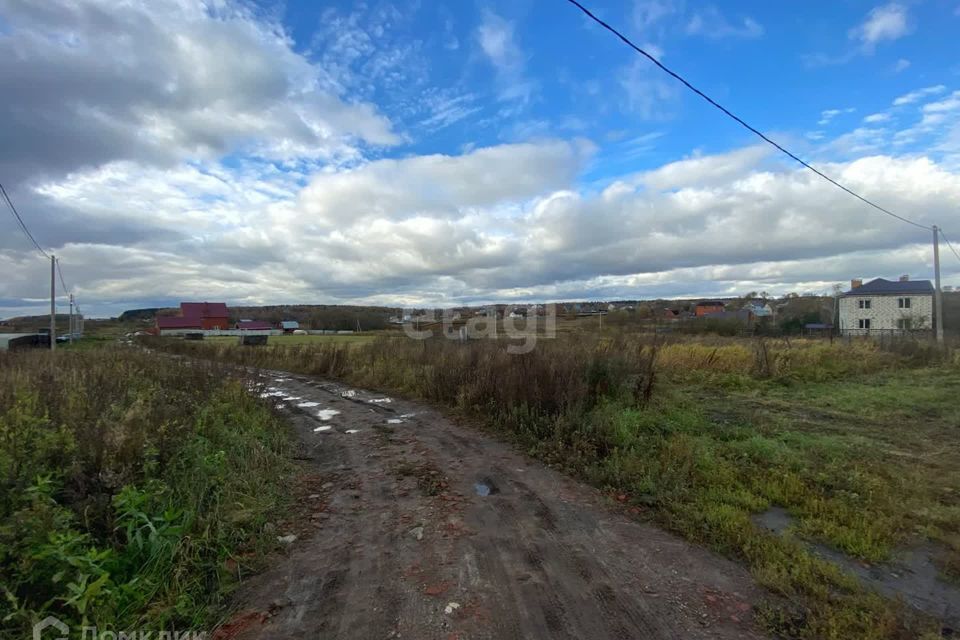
(864, 304)
(903, 303)
(904, 323)
(864, 323)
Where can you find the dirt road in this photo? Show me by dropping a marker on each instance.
(418, 528)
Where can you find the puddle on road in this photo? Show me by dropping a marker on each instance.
(407, 415)
(775, 519)
(352, 431)
(326, 414)
(349, 393)
(486, 487)
(323, 428)
(272, 394)
(912, 575)
(381, 400)
(307, 405)
(394, 421)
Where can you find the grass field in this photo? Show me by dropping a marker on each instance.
(133, 488)
(858, 443)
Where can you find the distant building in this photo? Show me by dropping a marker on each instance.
(254, 325)
(10, 341)
(196, 316)
(289, 326)
(709, 306)
(886, 306)
(759, 308)
(668, 314)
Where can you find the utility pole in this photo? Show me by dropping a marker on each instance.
(71, 319)
(937, 295)
(53, 302)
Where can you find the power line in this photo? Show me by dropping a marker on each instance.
(948, 244)
(713, 102)
(66, 289)
(23, 227)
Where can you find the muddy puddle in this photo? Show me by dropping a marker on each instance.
(911, 575)
(486, 487)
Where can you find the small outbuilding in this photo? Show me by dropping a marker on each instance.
(10, 341)
(289, 326)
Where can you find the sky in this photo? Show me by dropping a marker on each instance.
(450, 153)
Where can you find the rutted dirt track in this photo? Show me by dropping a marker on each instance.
(399, 542)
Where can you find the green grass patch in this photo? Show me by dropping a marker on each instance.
(127, 483)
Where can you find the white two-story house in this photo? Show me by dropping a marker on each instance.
(885, 306)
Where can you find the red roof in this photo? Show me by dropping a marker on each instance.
(176, 322)
(254, 325)
(199, 310)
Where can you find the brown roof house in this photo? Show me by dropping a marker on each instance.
(197, 316)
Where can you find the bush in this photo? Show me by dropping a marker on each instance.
(126, 480)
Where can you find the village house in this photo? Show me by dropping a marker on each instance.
(706, 307)
(886, 306)
(254, 325)
(759, 308)
(289, 326)
(195, 316)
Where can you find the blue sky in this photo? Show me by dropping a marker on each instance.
(556, 73)
(467, 152)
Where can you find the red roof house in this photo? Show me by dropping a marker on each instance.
(254, 325)
(178, 322)
(197, 315)
(709, 306)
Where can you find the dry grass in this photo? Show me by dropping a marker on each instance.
(702, 433)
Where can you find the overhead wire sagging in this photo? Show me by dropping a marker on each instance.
(739, 120)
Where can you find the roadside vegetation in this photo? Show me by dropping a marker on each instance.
(857, 442)
(134, 488)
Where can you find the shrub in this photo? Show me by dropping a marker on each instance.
(126, 480)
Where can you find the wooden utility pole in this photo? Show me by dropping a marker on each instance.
(937, 295)
(53, 302)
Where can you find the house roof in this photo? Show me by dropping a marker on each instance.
(289, 324)
(204, 310)
(254, 325)
(711, 303)
(880, 287)
(177, 322)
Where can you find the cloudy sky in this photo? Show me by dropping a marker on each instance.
(448, 153)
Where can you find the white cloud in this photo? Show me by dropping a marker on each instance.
(648, 13)
(915, 96)
(901, 65)
(950, 103)
(710, 23)
(498, 42)
(884, 23)
(874, 118)
(164, 81)
(443, 186)
(828, 115)
(498, 222)
(646, 92)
